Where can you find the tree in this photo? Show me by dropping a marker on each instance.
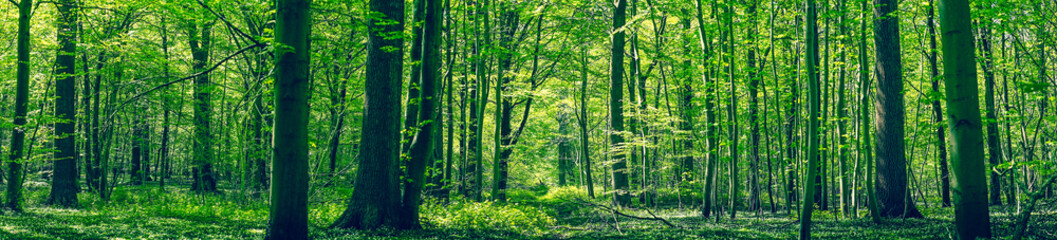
(376, 200)
(994, 143)
(205, 181)
(959, 66)
(64, 186)
(937, 110)
(288, 215)
(18, 136)
(585, 152)
(891, 159)
(814, 106)
(754, 115)
(616, 104)
(421, 152)
(732, 113)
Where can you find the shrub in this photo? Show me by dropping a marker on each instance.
(486, 216)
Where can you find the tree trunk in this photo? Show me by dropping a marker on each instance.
(937, 109)
(421, 152)
(64, 185)
(994, 144)
(732, 109)
(891, 159)
(616, 105)
(204, 177)
(711, 145)
(864, 110)
(754, 104)
(585, 153)
(288, 215)
(814, 106)
(18, 136)
(959, 66)
(376, 200)
(509, 21)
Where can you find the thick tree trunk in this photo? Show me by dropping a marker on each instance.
(288, 215)
(959, 66)
(64, 185)
(891, 159)
(376, 200)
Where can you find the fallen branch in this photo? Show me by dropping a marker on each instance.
(615, 211)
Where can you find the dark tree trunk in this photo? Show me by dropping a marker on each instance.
(204, 179)
(616, 105)
(288, 217)
(891, 159)
(424, 143)
(18, 136)
(64, 185)
(376, 201)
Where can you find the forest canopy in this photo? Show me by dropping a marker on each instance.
(528, 119)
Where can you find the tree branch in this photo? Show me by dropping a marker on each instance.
(13, 2)
(608, 208)
(225, 20)
(215, 66)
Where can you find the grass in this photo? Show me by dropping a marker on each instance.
(147, 213)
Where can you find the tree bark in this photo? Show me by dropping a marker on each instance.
(376, 200)
(204, 177)
(959, 66)
(891, 159)
(18, 136)
(813, 125)
(64, 185)
(288, 215)
(421, 152)
(937, 109)
(616, 105)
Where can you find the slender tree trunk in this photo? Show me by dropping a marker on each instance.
(864, 109)
(503, 131)
(994, 144)
(18, 136)
(732, 114)
(421, 152)
(585, 152)
(616, 105)
(937, 109)
(711, 144)
(959, 66)
(842, 116)
(376, 201)
(813, 120)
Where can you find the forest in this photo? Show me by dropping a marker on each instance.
(528, 119)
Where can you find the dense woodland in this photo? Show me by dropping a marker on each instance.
(528, 119)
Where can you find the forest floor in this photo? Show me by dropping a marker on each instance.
(148, 213)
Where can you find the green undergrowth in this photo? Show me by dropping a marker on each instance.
(540, 213)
